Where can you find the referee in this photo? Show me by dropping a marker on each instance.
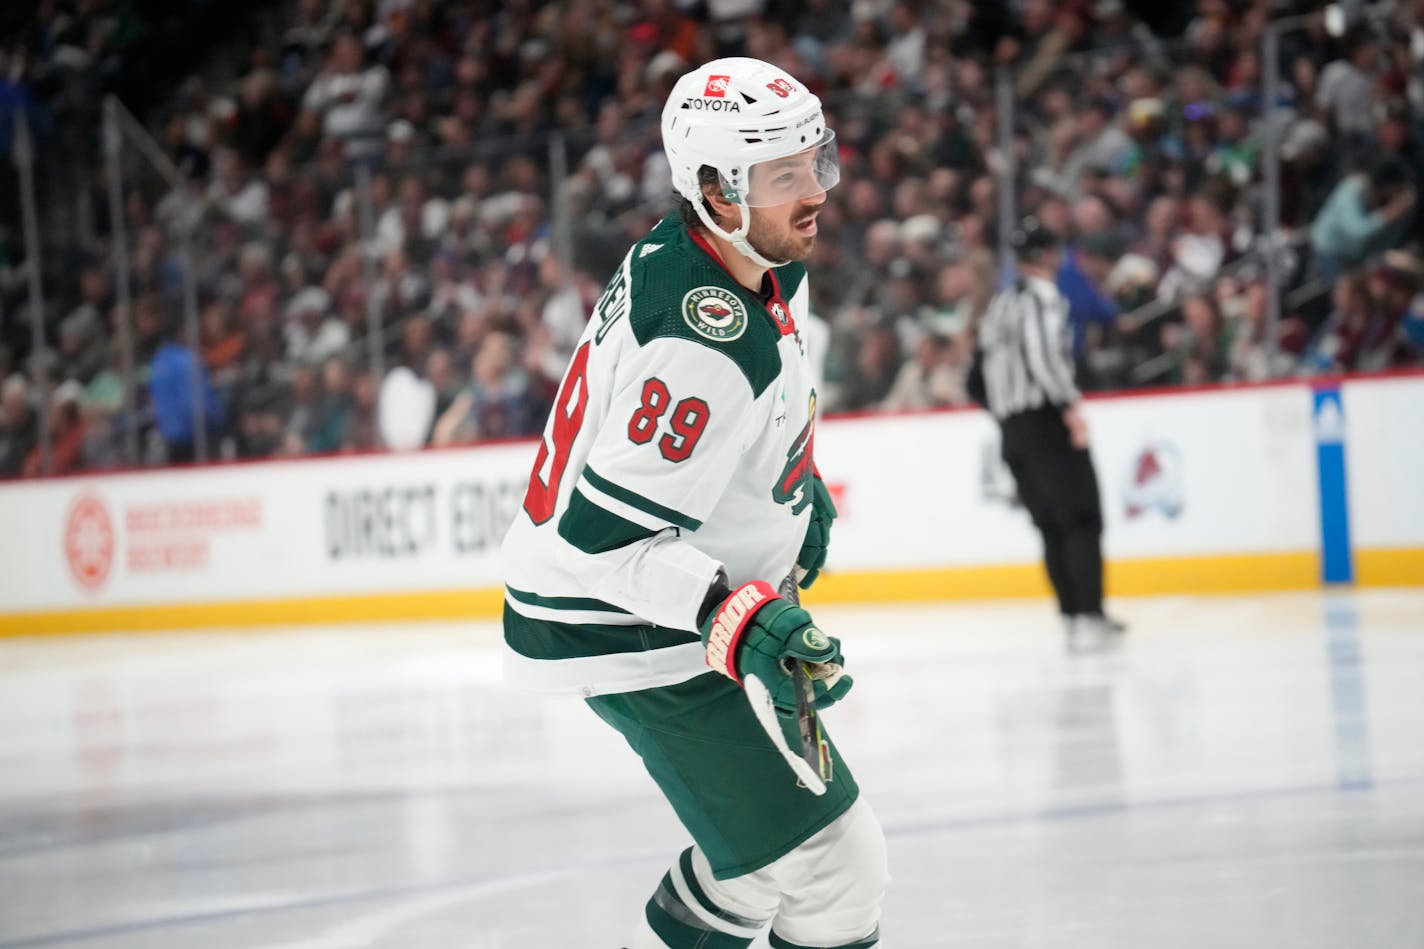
(1025, 342)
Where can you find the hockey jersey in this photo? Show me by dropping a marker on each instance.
(680, 442)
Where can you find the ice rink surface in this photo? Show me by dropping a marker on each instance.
(1241, 772)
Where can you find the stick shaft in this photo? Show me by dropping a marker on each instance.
(808, 720)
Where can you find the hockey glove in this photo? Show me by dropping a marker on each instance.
(818, 534)
(754, 631)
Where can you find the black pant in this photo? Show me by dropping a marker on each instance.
(1057, 484)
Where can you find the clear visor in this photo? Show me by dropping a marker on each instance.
(795, 177)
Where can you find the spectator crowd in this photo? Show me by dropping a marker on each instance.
(442, 188)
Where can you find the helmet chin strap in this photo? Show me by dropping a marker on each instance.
(737, 238)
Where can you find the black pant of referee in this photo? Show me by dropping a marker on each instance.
(1059, 487)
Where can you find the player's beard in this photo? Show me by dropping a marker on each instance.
(779, 242)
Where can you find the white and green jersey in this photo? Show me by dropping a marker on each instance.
(680, 442)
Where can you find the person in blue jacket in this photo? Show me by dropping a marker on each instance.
(170, 390)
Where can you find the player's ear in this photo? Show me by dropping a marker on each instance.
(717, 201)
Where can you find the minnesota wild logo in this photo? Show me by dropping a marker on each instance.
(714, 313)
(794, 485)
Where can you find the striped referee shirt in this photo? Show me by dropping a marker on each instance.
(1027, 350)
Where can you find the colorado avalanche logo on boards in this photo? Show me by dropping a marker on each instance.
(1155, 481)
(714, 313)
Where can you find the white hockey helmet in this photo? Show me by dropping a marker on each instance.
(734, 114)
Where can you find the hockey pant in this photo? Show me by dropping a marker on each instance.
(824, 894)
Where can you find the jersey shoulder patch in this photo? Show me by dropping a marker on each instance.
(714, 313)
(678, 292)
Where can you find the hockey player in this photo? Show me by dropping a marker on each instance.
(674, 490)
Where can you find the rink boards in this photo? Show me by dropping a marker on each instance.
(1273, 487)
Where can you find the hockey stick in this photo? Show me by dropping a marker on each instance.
(765, 713)
(815, 750)
(813, 765)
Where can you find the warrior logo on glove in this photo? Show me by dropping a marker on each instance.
(727, 624)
